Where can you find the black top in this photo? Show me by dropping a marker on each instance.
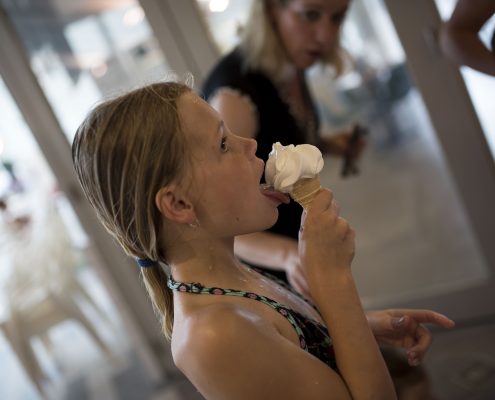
(275, 121)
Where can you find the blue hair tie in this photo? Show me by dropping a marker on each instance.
(145, 262)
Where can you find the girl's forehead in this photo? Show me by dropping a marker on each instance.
(190, 101)
(198, 119)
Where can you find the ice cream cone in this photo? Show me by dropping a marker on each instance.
(305, 190)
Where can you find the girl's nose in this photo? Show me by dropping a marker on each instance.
(326, 32)
(250, 146)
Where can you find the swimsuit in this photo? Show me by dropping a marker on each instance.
(313, 336)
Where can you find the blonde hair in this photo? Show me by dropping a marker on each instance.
(126, 149)
(261, 46)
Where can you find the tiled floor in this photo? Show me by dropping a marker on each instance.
(412, 240)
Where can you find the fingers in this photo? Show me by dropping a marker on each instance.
(324, 202)
(408, 330)
(424, 317)
(432, 317)
(398, 323)
(321, 202)
(416, 353)
(326, 241)
(298, 282)
(440, 320)
(324, 206)
(416, 339)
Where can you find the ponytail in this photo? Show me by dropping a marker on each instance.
(155, 281)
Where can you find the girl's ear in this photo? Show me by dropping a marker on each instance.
(174, 205)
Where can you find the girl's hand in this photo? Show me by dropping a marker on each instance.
(404, 328)
(326, 240)
(295, 274)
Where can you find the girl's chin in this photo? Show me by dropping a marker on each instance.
(307, 62)
(274, 220)
(268, 222)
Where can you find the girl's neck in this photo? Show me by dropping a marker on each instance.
(211, 263)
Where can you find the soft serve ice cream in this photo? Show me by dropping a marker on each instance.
(295, 170)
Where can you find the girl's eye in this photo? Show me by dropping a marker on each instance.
(338, 18)
(311, 15)
(223, 145)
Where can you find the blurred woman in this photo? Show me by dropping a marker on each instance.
(260, 91)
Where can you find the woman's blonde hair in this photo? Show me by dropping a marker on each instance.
(261, 46)
(127, 149)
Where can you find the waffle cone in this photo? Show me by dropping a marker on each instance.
(305, 190)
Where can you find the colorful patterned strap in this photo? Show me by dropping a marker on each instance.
(197, 288)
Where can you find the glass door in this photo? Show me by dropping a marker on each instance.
(467, 161)
(64, 57)
(83, 51)
(58, 322)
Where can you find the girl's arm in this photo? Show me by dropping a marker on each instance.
(326, 244)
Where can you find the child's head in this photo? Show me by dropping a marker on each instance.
(160, 158)
(124, 152)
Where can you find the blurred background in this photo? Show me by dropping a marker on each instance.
(74, 318)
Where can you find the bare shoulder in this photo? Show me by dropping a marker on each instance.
(213, 330)
(223, 349)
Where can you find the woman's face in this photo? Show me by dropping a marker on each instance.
(226, 174)
(308, 29)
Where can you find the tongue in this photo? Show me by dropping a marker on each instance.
(274, 194)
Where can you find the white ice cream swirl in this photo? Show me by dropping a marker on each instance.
(287, 164)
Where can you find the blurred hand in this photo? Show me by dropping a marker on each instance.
(403, 328)
(340, 144)
(295, 274)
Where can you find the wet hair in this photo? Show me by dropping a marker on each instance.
(261, 45)
(126, 149)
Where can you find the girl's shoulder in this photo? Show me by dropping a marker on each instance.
(212, 331)
(229, 352)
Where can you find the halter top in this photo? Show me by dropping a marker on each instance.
(313, 336)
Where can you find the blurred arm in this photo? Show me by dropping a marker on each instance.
(459, 38)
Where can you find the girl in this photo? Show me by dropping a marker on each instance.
(174, 186)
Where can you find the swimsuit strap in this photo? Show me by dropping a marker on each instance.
(197, 288)
(286, 286)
